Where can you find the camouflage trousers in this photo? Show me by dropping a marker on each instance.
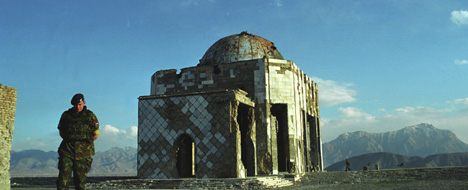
(80, 169)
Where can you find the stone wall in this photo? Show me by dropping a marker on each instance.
(287, 130)
(7, 117)
(208, 120)
(239, 75)
(392, 175)
(289, 87)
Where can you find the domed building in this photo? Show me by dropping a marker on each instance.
(242, 111)
(240, 47)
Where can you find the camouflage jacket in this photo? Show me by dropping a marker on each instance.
(77, 130)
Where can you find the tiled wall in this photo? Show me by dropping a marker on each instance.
(206, 117)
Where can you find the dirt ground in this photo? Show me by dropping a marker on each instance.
(413, 185)
(303, 185)
(418, 178)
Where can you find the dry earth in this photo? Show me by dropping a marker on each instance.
(417, 178)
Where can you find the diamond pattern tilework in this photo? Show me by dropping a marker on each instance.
(202, 117)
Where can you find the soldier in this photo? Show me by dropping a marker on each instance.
(347, 165)
(79, 128)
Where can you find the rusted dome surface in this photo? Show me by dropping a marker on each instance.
(239, 47)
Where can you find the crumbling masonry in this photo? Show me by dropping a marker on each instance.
(242, 111)
(7, 117)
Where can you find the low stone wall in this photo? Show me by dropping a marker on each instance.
(457, 173)
(395, 175)
(7, 117)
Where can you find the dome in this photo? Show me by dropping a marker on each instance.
(239, 47)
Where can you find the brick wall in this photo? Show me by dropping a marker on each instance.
(7, 117)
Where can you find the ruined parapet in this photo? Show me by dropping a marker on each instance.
(7, 117)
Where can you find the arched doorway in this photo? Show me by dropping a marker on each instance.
(185, 154)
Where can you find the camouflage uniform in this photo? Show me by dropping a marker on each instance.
(77, 130)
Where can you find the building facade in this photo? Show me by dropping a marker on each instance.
(242, 111)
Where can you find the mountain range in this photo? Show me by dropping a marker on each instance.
(420, 145)
(419, 140)
(36, 163)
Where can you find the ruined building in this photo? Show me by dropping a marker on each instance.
(7, 117)
(242, 111)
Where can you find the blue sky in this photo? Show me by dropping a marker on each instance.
(380, 65)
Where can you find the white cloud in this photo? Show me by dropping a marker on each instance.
(111, 130)
(333, 93)
(353, 119)
(133, 131)
(405, 109)
(186, 3)
(114, 137)
(459, 17)
(355, 114)
(421, 111)
(461, 101)
(461, 62)
(114, 131)
(278, 3)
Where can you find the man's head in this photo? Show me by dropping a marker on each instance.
(78, 102)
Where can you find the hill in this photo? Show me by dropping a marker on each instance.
(34, 163)
(387, 160)
(115, 162)
(418, 140)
